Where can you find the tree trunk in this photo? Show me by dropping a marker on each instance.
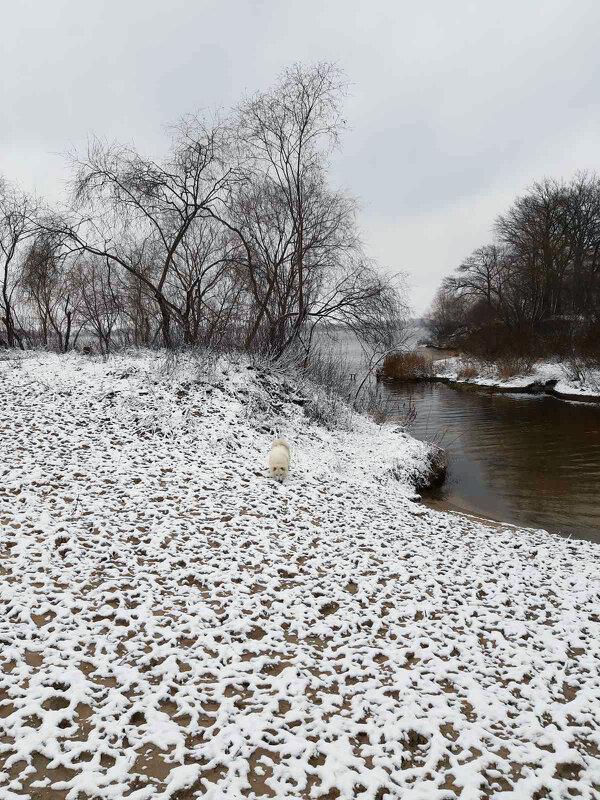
(165, 325)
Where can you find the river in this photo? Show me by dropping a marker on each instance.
(531, 460)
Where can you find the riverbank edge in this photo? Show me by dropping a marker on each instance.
(532, 388)
(444, 507)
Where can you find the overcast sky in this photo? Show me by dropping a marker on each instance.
(455, 106)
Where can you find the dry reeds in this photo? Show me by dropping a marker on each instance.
(406, 367)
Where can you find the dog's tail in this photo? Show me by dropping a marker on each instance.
(281, 443)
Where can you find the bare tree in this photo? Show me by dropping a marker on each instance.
(238, 227)
(267, 259)
(446, 319)
(141, 317)
(203, 280)
(51, 283)
(300, 255)
(540, 245)
(132, 210)
(101, 301)
(537, 289)
(581, 220)
(482, 275)
(17, 225)
(286, 135)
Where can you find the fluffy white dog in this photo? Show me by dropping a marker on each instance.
(279, 460)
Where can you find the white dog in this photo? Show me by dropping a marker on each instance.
(279, 460)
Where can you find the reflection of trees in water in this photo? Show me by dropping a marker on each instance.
(532, 461)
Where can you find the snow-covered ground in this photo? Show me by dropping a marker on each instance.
(556, 375)
(175, 624)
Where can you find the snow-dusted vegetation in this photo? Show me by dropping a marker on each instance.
(569, 379)
(175, 624)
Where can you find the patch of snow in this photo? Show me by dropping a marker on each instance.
(541, 373)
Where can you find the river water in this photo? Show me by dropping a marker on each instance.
(531, 460)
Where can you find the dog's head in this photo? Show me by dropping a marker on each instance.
(279, 472)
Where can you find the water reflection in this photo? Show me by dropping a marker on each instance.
(528, 459)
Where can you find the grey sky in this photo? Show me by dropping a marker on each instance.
(455, 107)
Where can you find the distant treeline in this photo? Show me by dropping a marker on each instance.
(235, 239)
(536, 290)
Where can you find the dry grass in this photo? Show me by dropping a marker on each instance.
(407, 366)
(468, 372)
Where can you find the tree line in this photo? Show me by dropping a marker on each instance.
(235, 239)
(535, 290)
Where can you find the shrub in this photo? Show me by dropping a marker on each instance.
(434, 474)
(328, 368)
(327, 408)
(510, 367)
(495, 341)
(585, 371)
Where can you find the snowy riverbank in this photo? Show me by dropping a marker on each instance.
(554, 377)
(175, 624)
